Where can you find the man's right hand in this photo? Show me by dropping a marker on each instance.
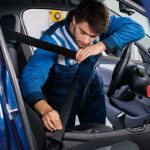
(50, 117)
(51, 120)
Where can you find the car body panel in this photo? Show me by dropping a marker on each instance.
(8, 100)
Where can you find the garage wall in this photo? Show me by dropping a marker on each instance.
(36, 21)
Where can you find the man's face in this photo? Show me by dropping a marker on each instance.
(83, 34)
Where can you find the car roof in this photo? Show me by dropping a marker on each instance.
(17, 6)
(20, 4)
(47, 3)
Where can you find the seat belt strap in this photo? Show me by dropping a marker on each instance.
(84, 97)
(18, 37)
(64, 115)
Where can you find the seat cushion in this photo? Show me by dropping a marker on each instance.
(125, 145)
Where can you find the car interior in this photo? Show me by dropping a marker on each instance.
(128, 89)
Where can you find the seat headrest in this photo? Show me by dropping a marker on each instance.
(10, 21)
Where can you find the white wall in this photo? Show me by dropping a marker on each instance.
(37, 20)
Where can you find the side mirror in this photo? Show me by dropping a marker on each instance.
(125, 9)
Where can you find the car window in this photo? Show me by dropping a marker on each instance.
(113, 5)
(36, 21)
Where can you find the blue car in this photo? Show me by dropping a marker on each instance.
(127, 87)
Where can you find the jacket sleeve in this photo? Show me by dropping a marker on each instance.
(36, 72)
(121, 31)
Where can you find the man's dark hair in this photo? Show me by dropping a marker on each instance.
(94, 13)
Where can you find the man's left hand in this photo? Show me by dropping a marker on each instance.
(90, 50)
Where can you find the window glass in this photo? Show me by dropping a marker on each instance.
(113, 5)
(36, 21)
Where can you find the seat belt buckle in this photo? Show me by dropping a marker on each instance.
(54, 144)
(56, 140)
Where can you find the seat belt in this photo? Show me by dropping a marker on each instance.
(18, 37)
(64, 115)
(84, 97)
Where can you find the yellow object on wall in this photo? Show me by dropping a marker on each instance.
(55, 15)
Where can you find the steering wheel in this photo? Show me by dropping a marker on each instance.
(119, 70)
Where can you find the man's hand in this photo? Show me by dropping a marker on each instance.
(50, 117)
(90, 50)
(51, 120)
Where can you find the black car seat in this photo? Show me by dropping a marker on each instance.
(13, 22)
(39, 133)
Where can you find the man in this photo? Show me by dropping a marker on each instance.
(46, 78)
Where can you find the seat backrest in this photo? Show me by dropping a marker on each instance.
(12, 22)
